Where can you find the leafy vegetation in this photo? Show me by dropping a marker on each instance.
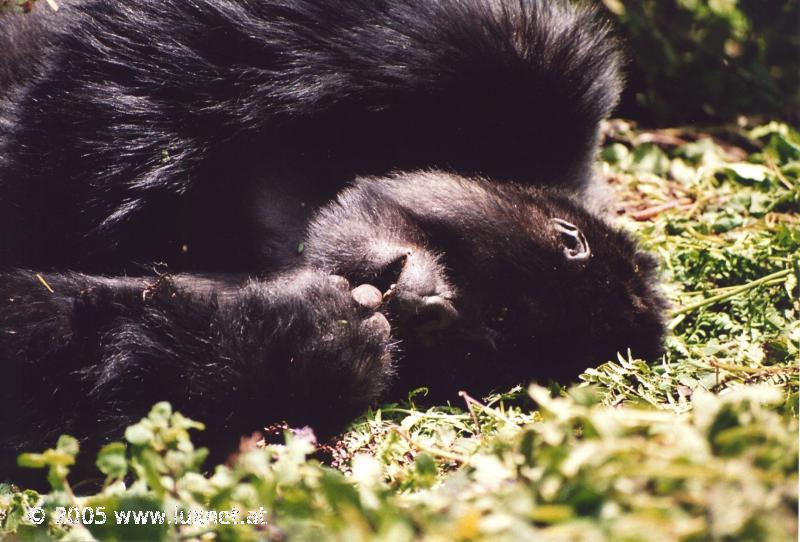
(709, 60)
(699, 445)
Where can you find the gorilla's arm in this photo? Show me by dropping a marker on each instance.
(91, 356)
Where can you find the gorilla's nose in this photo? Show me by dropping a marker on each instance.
(418, 291)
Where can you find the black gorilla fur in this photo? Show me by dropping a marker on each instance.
(216, 135)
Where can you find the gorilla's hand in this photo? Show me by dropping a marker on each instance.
(415, 290)
(322, 340)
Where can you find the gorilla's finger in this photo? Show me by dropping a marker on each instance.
(368, 296)
(378, 324)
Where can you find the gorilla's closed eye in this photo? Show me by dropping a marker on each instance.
(575, 245)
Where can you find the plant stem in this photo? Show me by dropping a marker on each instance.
(732, 292)
(431, 450)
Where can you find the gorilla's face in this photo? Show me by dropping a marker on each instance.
(487, 284)
(553, 303)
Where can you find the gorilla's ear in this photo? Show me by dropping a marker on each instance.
(576, 247)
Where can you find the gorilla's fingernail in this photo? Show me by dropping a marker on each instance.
(388, 293)
(367, 296)
(377, 323)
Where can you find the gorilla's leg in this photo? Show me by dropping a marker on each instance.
(87, 355)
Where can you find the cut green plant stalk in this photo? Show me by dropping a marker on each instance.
(734, 291)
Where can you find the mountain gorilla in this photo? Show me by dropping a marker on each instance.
(266, 210)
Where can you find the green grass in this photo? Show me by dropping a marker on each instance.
(699, 445)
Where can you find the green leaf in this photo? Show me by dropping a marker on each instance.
(138, 435)
(111, 460)
(56, 458)
(160, 412)
(744, 171)
(650, 159)
(426, 470)
(31, 461)
(616, 153)
(68, 445)
(681, 171)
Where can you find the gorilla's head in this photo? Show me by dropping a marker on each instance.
(491, 284)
